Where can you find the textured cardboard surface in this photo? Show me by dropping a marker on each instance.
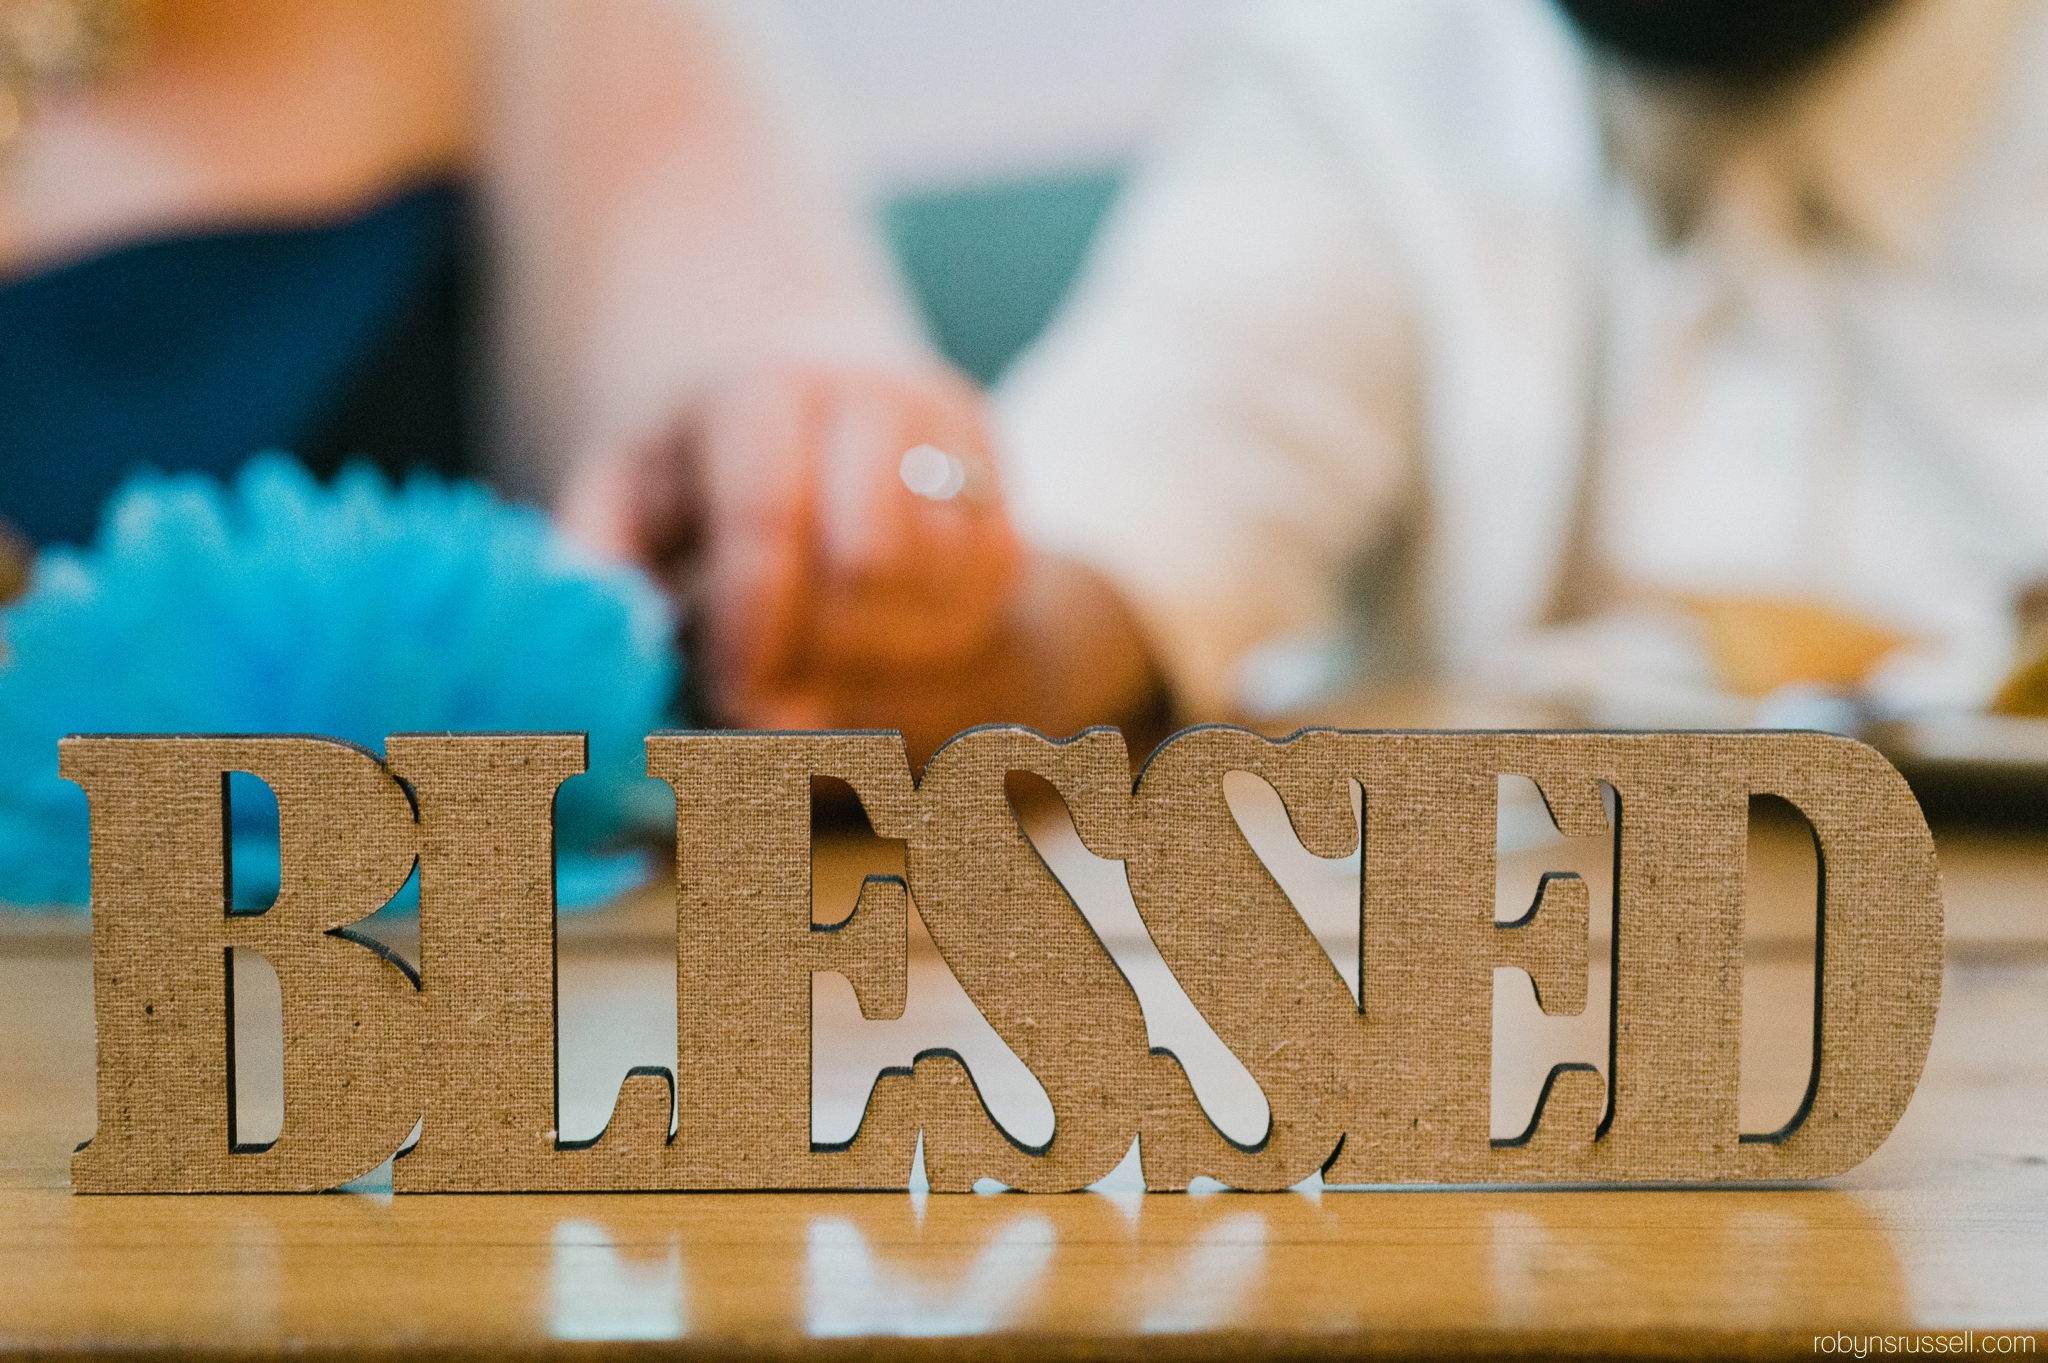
(161, 933)
(747, 948)
(1391, 1086)
(1019, 946)
(1247, 961)
(487, 973)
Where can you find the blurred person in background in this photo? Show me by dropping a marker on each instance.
(584, 250)
(1655, 356)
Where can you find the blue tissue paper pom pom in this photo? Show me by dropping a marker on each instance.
(353, 611)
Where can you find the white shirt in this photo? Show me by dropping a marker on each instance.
(1389, 350)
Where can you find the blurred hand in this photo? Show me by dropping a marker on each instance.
(822, 591)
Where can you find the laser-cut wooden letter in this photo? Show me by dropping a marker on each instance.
(1021, 949)
(1246, 959)
(487, 976)
(161, 930)
(747, 947)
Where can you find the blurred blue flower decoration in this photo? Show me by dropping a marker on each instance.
(355, 611)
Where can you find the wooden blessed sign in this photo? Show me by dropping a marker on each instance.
(1391, 1086)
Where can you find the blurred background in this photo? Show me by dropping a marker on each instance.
(1479, 362)
(992, 138)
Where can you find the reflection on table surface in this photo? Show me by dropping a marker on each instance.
(734, 1266)
(1947, 1226)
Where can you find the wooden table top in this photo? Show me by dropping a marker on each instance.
(1945, 1228)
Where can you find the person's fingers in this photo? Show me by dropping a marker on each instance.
(757, 586)
(642, 504)
(792, 709)
(755, 603)
(901, 575)
(592, 509)
(862, 520)
(879, 531)
(810, 561)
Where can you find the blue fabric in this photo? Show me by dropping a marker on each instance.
(193, 353)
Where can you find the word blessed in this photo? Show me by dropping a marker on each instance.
(1389, 1086)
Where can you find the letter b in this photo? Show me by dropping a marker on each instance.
(161, 930)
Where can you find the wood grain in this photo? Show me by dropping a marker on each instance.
(1947, 1226)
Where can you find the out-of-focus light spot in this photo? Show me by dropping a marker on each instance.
(849, 1291)
(930, 472)
(595, 1292)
